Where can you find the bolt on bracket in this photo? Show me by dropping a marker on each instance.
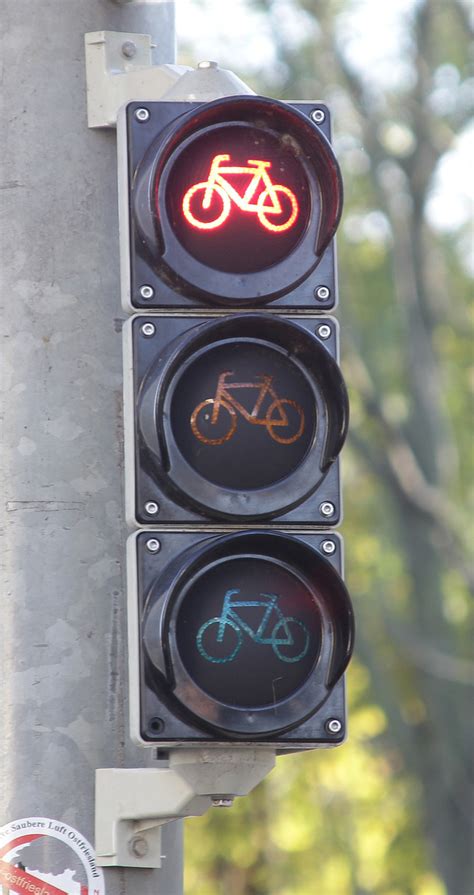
(119, 69)
(133, 804)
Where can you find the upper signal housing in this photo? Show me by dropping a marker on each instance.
(232, 203)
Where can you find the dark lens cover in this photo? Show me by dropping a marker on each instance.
(249, 632)
(243, 415)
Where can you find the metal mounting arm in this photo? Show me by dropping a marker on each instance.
(120, 69)
(133, 804)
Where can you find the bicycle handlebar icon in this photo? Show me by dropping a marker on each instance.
(289, 638)
(275, 420)
(267, 206)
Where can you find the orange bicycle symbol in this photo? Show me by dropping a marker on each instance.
(276, 419)
(267, 206)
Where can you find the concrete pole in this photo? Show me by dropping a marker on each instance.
(63, 649)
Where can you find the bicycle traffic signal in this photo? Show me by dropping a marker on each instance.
(233, 419)
(235, 414)
(238, 636)
(233, 203)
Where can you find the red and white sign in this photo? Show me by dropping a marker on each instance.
(74, 873)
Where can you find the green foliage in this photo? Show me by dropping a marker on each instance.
(335, 822)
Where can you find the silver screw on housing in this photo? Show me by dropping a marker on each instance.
(153, 546)
(333, 725)
(142, 114)
(318, 116)
(152, 508)
(323, 293)
(327, 508)
(147, 292)
(324, 331)
(148, 329)
(328, 547)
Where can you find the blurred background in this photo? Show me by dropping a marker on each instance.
(390, 812)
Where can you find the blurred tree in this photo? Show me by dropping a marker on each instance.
(407, 770)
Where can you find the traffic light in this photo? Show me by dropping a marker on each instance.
(242, 636)
(228, 204)
(238, 419)
(235, 414)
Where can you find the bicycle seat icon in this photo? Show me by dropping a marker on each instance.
(220, 639)
(267, 205)
(283, 420)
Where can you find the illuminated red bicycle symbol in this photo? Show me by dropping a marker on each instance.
(276, 419)
(267, 206)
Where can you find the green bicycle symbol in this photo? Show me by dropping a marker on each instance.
(289, 638)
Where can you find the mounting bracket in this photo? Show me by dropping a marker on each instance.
(119, 69)
(133, 804)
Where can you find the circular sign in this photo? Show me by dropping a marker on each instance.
(238, 198)
(249, 632)
(47, 857)
(243, 414)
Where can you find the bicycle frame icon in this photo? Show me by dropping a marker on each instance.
(267, 205)
(275, 420)
(289, 638)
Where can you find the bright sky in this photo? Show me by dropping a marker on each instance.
(372, 31)
(237, 35)
(232, 29)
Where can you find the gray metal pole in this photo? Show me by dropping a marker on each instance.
(156, 17)
(63, 647)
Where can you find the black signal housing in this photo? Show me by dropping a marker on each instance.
(197, 690)
(281, 415)
(183, 270)
(235, 413)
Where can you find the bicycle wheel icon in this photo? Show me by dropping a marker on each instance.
(213, 649)
(197, 215)
(290, 639)
(289, 432)
(277, 221)
(207, 431)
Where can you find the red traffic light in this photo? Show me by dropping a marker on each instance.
(240, 186)
(240, 210)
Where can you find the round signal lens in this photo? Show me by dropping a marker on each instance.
(238, 198)
(243, 415)
(249, 632)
